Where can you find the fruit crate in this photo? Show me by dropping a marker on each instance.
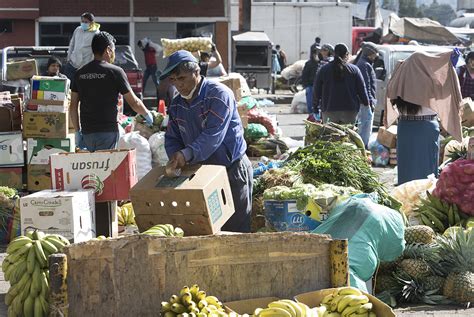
(135, 274)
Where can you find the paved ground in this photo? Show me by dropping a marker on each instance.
(291, 124)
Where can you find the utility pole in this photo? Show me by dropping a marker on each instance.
(245, 14)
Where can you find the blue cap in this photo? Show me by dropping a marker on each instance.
(175, 59)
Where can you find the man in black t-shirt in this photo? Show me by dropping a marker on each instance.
(95, 90)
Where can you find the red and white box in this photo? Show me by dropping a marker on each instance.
(109, 173)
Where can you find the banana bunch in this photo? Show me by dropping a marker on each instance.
(26, 268)
(347, 302)
(438, 214)
(192, 302)
(166, 230)
(126, 215)
(287, 308)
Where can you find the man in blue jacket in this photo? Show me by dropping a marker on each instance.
(369, 54)
(205, 128)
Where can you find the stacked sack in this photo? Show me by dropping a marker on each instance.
(191, 44)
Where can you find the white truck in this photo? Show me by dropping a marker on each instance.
(295, 25)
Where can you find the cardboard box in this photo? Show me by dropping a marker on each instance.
(243, 114)
(248, 306)
(313, 299)
(39, 150)
(68, 213)
(388, 137)
(467, 106)
(285, 216)
(237, 83)
(45, 125)
(50, 84)
(38, 177)
(21, 69)
(47, 105)
(12, 177)
(17, 112)
(11, 149)
(110, 173)
(199, 201)
(6, 119)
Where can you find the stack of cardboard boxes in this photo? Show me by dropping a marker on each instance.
(388, 138)
(12, 158)
(45, 128)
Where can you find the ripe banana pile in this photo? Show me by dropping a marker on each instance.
(288, 308)
(347, 302)
(126, 215)
(438, 214)
(166, 230)
(26, 267)
(192, 302)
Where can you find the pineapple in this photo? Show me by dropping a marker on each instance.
(460, 287)
(419, 234)
(416, 268)
(433, 282)
(411, 290)
(384, 282)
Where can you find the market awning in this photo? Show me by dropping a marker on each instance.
(422, 30)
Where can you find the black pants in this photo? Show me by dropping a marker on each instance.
(240, 175)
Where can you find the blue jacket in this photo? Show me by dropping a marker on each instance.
(369, 79)
(344, 95)
(207, 131)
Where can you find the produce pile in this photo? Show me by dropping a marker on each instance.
(288, 308)
(165, 230)
(346, 302)
(9, 216)
(192, 302)
(145, 130)
(191, 44)
(26, 268)
(126, 215)
(433, 269)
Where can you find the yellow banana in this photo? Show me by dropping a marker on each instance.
(178, 308)
(274, 312)
(202, 303)
(212, 300)
(121, 221)
(327, 299)
(178, 232)
(201, 295)
(174, 299)
(350, 310)
(165, 306)
(344, 302)
(194, 290)
(285, 306)
(305, 309)
(366, 314)
(349, 291)
(17, 244)
(43, 261)
(332, 314)
(359, 300)
(186, 298)
(28, 306)
(365, 308)
(169, 314)
(335, 302)
(372, 314)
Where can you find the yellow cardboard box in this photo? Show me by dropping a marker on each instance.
(45, 124)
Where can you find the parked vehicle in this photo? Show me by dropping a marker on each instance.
(358, 35)
(389, 55)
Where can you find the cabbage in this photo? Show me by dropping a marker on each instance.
(456, 185)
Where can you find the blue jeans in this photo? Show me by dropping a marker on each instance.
(309, 99)
(364, 120)
(100, 141)
(150, 71)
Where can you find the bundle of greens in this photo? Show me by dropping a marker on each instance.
(339, 164)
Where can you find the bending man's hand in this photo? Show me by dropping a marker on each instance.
(176, 162)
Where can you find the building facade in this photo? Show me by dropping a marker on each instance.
(52, 22)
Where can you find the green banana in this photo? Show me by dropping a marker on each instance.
(35, 288)
(17, 244)
(43, 261)
(5, 265)
(44, 285)
(48, 247)
(435, 201)
(9, 299)
(451, 216)
(26, 289)
(38, 235)
(426, 221)
(441, 215)
(28, 306)
(437, 223)
(17, 306)
(365, 308)
(38, 308)
(457, 218)
(31, 260)
(178, 232)
(44, 305)
(19, 271)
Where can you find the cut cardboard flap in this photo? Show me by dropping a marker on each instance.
(199, 200)
(248, 306)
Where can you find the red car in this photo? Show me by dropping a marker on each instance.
(358, 35)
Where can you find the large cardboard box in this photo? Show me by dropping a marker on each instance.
(109, 173)
(68, 213)
(199, 201)
(38, 177)
(313, 299)
(248, 306)
(45, 124)
(11, 149)
(21, 69)
(47, 105)
(388, 137)
(49, 84)
(11, 177)
(39, 150)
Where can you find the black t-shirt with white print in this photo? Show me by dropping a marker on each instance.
(98, 85)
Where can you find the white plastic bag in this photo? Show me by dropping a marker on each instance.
(134, 140)
(294, 70)
(157, 146)
(298, 104)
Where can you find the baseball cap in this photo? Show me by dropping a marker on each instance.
(175, 59)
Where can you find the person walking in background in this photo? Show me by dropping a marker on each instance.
(151, 51)
(307, 80)
(341, 89)
(281, 55)
(368, 55)
(205, 60)
(80, 52)
(315, 45)
(53, 67)
(466, 77)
